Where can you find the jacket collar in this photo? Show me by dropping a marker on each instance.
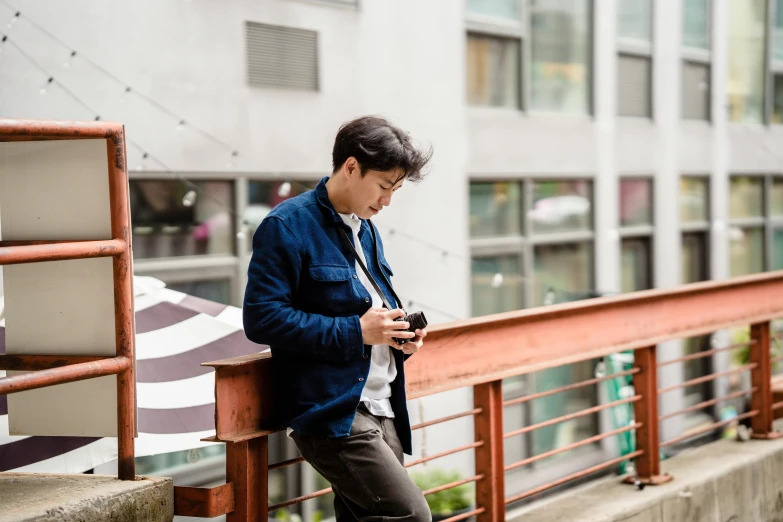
(322, 196)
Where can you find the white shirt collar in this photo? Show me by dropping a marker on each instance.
(352, 220)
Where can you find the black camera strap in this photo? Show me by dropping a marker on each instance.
(364, 268)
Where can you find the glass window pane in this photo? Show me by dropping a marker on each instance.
(166, 226)
(776, 197)
(493, 71)
(777, 98)
(746, 197)
(217, 290)
(635, 202)
(496, 285)
(560, 47)
(263, 196)
(635, 255)
(747, 21)
(495, 209)
(694, 200)
(746, 248)
(500, 8)
(696, 25)
(777, 34)
(559, 404)
(694, 257)
(695, 91)
(777, 249)
(561, 206)
(563, 273)
(695, 368)
(635, 19)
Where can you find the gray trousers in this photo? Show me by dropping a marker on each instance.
(366, 472)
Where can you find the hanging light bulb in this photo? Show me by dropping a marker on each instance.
(180, 125)
(189, 199)
(284, 190)
(98, 118)
(230, 163)
(13, 20)
(69, 61)
(497, 280)
(124, 95)
(45, 87)
(2, 43)
(141, 166)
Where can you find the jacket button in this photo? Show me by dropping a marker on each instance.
(366, 299)
(361, 379)
(365, 356)
(355, 276)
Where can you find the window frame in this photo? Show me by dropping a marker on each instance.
(645, 232)
(521, 30)
(523, 245)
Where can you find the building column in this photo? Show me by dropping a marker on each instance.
(667, 243)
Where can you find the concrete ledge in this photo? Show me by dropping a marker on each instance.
(723, 481)
(28, 497)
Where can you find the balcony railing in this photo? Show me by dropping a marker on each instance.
(481, 352)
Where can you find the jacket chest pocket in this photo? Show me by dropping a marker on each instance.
(331, 287)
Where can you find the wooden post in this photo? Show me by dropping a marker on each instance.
(648, 465)
(490, 491)
(761, 379)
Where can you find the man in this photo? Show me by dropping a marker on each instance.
(339, 375)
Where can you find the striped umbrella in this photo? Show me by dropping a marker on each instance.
(175, 333)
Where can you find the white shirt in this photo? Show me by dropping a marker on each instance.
(383, 370)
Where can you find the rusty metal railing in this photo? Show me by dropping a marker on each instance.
(481, 352)
(48, 370)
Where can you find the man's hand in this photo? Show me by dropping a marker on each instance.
(415, 344)
(379, 326)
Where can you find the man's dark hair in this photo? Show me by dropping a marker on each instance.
(378, 145)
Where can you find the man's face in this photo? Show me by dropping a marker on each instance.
(369, 194)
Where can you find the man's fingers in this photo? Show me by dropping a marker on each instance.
(398, 325)
(393, 314)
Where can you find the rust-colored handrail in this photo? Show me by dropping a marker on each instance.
(48, 370)
(480, 352)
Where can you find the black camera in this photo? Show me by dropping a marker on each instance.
(416, 320)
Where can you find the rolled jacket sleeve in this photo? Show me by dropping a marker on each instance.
(268, 312)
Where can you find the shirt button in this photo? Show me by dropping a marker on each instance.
(366, 299)
(361, 379)
(365, 356)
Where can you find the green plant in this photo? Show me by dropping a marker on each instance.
(741, 355)
(447, 501)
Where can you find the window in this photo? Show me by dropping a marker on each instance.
(634, 66)
(635, 20)
(493, 71)
(557, 38)
(560, 54)
(636, 229)
(754, 206)
(695, 91)
(694, 223)
(696, 24)
(747, 36)
(533, 254)
(281, 57)
(174, 219)
(777, 32)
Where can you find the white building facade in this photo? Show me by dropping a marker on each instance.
(582, 147)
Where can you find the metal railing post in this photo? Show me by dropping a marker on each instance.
(761, 380)
(247, 468)
(490, 491)
(645, 383)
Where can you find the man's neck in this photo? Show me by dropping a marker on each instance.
(334, 190)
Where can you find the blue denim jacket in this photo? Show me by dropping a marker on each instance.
(304, 300)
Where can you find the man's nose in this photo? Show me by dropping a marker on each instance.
(385, 201)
